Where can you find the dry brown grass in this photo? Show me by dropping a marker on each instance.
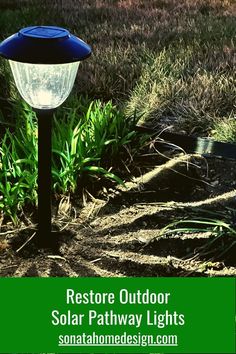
(194, 83)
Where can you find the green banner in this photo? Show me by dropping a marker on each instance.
(122, 315)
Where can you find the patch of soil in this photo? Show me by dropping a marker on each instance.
(121, 236)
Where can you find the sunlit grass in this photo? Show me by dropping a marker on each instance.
(168, 59)
(187, 87)
(225, 129)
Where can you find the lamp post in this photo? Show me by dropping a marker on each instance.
(44, 61)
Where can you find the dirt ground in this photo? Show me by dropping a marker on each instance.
(118, 234)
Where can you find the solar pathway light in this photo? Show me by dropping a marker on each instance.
(44, 61)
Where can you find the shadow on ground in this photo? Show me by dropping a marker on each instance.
(115, 239)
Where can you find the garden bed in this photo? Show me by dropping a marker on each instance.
(121, 234)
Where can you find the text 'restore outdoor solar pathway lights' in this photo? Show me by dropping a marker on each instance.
(44, 61)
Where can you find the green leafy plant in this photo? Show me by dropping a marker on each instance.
(88, 139)
(216, 227)
(221, 225)
(18, 168)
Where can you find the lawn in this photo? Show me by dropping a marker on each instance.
(126, 204)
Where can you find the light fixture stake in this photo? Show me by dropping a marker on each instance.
(44, 176)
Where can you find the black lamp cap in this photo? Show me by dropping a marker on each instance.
(44, 45)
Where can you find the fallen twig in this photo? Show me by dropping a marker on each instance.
(26, 242)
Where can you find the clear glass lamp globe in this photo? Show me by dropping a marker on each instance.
(44, 86)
